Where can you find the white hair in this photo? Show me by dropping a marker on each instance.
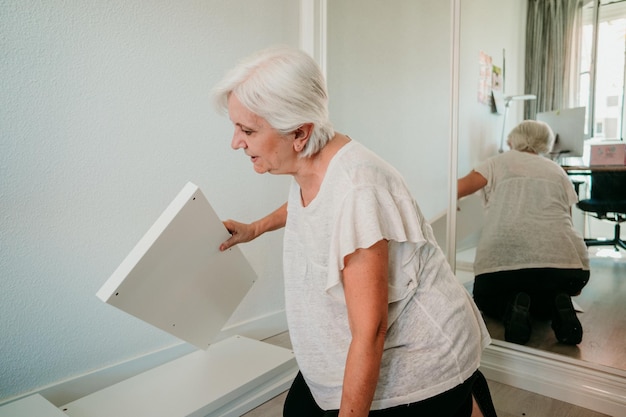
(284, 86)
(531, 135)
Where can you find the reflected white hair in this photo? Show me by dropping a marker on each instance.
(531, 135)
(284, 86)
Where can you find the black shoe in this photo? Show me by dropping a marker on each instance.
(517, 320)
(565, 324)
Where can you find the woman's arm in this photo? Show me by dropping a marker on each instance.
(242, 232)
(365, 286)
(469, 184)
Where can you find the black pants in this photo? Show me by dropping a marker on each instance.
(494, 291)
(456, 402)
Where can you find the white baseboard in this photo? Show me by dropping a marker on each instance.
(258, 328)
(64, 392)
(597, 388)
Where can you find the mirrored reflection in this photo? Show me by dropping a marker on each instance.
(602, 303)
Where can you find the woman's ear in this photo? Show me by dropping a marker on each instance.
(302, 135)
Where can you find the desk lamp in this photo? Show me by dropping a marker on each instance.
(507, 101)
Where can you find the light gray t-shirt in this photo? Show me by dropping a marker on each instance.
(528, 223)
(435, 332)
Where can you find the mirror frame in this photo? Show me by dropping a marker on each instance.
(596, 387)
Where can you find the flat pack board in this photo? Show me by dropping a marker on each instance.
(176, 278)
(229, 378)
(32, 406)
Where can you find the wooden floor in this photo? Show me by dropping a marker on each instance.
(509, 401)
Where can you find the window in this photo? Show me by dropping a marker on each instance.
(602, 88)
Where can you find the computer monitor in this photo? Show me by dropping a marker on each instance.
(568, 126)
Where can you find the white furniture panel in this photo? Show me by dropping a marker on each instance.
(33, 406)
(176, 278)
(229, 378)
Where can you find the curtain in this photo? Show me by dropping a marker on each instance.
(553, 33)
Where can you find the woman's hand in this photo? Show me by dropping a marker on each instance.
(239, 233)
(470, 183)
(243, 232)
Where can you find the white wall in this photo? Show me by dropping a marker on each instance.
(389, 85)
(389, 82)
(490, 26)
(105, 116)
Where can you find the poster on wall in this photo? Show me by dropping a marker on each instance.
(496, 78)
(485, 78)
(497, 87)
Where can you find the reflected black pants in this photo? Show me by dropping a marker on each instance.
(494, 291)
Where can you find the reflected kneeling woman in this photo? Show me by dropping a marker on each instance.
(529, 260)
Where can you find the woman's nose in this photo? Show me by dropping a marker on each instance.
(237, 141)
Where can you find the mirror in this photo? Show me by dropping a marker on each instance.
(480, 130)
(389, 82)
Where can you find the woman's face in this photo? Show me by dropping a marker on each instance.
(268, 150)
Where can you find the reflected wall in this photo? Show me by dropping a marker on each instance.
(389, 86)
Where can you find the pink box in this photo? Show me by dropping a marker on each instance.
(608, 154)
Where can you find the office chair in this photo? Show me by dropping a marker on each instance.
(607, 202)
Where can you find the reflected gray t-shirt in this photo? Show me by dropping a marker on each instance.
(528, 222)
(435, 332)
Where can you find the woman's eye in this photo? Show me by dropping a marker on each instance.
(246, 132)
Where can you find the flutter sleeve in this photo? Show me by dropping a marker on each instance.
(366, 216)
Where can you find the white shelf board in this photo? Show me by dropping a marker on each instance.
(32, 406)
(176, 278)
(229, 375)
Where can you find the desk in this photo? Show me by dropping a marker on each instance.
(587, 169)
(590, 169)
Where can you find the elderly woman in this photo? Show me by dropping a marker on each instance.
(376, 317)
(530, 260)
